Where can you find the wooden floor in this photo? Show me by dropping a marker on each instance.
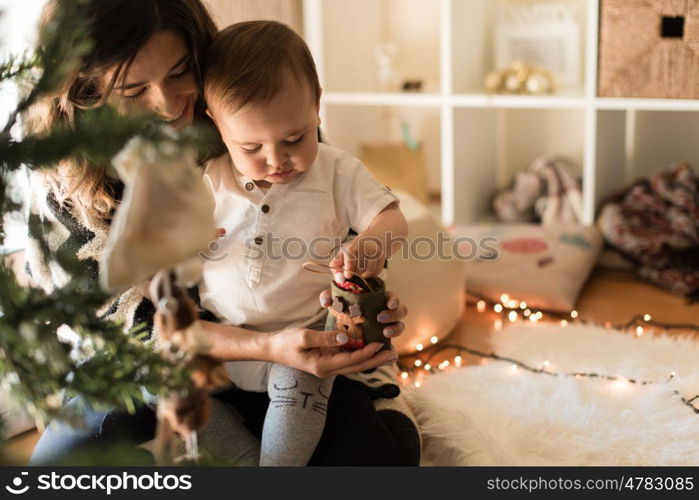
(19, 448)
(608, 296)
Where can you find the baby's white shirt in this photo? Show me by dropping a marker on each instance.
(248, 280)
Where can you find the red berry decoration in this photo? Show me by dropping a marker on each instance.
(350, 287)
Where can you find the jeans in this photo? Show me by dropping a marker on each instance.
(355, 432)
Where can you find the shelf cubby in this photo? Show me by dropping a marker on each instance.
(476, 142)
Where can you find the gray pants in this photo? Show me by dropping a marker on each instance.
(295, 417)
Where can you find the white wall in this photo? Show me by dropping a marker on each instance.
(354, 29)
(227, 12)
(414, 26)
(661, 138)
(17, 21)
(527, 134)
(17, 34)
(350, 127)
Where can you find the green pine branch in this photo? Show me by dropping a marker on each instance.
(17, 67)
(97, 136)
(62, 43)
(107, 367)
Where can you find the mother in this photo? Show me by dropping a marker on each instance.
(147, 54)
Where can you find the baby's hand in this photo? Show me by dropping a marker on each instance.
(363, 256)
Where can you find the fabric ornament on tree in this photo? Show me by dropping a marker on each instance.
(165, 218)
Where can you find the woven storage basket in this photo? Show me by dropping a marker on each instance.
(649, 48)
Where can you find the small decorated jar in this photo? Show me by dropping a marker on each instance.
(354, 310)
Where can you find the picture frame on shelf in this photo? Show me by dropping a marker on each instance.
(544, 34)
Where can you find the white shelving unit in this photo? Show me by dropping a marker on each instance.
(475, 142)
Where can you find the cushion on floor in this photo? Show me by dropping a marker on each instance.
(545, 266)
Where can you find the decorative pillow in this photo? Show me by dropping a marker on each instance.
(545, 266)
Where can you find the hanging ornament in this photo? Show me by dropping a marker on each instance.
(181, 337)
(164, 199)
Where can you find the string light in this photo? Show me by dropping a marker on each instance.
(620, 384)
(434, 339)
(482, 302)
(617, 382)
(512, 316)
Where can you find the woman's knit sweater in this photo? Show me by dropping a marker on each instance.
(54, 224)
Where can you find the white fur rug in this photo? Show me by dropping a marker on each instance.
(492, 415)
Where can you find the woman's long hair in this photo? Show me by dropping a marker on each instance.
(117, 30)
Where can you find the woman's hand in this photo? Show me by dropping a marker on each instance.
(312, 351)
(391, 317)
(317, 352)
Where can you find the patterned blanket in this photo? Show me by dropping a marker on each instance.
(548, 191)
(655, 223)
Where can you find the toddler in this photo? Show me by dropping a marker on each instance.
(281, 198)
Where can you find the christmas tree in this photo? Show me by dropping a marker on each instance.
(107, 367)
